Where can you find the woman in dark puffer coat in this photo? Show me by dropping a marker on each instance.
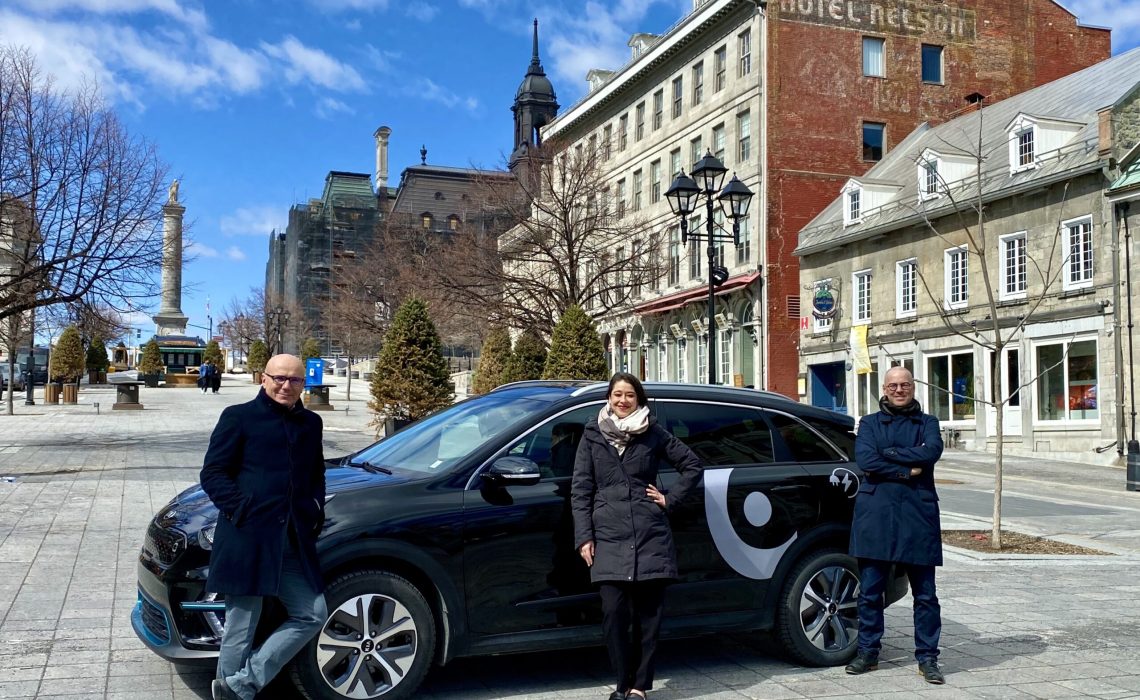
(621, 526)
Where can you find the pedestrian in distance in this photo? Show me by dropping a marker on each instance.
(204, 376)
(897, 522)
(621, 525)
(215, 377)
(265, 472)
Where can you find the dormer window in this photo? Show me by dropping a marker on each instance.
(852, 203)
(1023, 144)
(1025, 148)
(929, 176)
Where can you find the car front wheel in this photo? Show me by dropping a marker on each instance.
(817, 621)
(377, 642)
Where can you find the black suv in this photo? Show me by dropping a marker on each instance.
(453, 537)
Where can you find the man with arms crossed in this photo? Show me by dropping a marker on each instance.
(265, 472)
(896, 521)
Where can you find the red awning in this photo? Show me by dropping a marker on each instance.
(688, 296)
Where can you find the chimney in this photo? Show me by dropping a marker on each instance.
(381, 135)
(1104, 132)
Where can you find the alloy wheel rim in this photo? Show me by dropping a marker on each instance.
(367, 646)
(829, 609)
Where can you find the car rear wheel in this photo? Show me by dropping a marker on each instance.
(817, 621)
(377, 642)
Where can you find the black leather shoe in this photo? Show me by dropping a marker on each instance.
(862, 664)
(930, 672)
(221, 691)
(617, 695)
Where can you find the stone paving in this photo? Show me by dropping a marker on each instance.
(78, 487)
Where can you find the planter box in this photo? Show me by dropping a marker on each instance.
(151, 380)
(71, 393)
(51, 393)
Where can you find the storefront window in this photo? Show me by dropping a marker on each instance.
(950, 390)
(1067, 381)
(868, 392)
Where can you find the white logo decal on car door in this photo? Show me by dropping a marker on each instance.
(746, 560)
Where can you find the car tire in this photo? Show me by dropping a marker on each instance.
(345, 660)
(817, 620)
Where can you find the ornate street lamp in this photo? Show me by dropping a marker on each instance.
(683, 196)
(279, 317)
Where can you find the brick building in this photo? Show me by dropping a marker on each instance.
(794, 97)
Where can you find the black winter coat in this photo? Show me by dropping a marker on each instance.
(896, 515)
(631, 533)
(265, 472)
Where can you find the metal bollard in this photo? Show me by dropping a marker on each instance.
(1133, 474)
(96, 405)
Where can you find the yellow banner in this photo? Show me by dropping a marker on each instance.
(860, 358)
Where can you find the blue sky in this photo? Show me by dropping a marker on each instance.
(251, 102)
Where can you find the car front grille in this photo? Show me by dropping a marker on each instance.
(163, 545)
(154, 619)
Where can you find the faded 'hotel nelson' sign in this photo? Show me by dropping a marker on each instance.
(932, 20)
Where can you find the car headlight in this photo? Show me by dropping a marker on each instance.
(206, 536)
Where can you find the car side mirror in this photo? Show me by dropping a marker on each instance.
(513, 471)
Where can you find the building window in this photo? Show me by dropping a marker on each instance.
(1025, 152)
(867, 391)
(662, 361)
(1013, 266)
(658, 108)
(854, 205)
(744, 134)
(623, 129)
(607, 140)
(674, 255)
(861, 283)
(873, 139)
(702, 356)
(719, 244)
(674, 162)
(744, 250)
(721, 60)
(678, 96)
(682, 360)
(637, 190)
(822, 325)
(639, 122)
(621, 197)
(453, 222)
(906, 288)
(957, 278)
(950, 386)
(931, 63)
(1079, 265)
(694, 250)
(745, 44)
(426, 220)
(655, 182)
(719, 140)
(698, 83)
(929, 180)
(725, 352)
(874, 65)
(695, 151)
(1067, 381)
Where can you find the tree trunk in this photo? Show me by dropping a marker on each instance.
(999, 451)
(348, 375)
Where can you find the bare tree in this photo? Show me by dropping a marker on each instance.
(575, 238)
(80, 199)
(250, 319)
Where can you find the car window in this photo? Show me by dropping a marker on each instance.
(721, 435)
(804, 444)
(553, 444)
(843, 439)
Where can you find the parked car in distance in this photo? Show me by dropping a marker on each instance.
(18, 382)
(453, 537)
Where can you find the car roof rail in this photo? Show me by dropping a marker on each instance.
(543, 382)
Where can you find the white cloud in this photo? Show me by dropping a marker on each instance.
(257, 220)
(417, 9)
(431, 91)
(328, 107)
(235, 253)
(303, 63)
(191, 16)
(1122, 16)
(198, 249)
(343, 5)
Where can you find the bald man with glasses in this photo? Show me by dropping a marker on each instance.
(896, 521)
(265, 472)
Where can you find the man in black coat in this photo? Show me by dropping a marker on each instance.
(264, 470)
(896, 521)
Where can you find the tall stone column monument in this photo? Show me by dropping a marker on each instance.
(170, 320)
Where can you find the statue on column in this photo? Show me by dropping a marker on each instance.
(172, 194)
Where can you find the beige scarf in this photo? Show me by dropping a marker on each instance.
(619, 431)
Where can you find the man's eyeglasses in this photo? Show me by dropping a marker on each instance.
(280, 379)
(904, 386)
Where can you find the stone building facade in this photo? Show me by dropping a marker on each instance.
(902, 272)
(794, 97)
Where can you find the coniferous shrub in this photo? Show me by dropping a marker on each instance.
(97, 356)
(493, 360)
(528, 359)
(151, 360)
(68, 358)
(411, 378)
(309, 349)
(257, 357)
(576, 350)
(212, 353)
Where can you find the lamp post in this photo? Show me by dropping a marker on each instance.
(277, 318)
(683, 196)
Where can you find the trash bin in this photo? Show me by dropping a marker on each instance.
(314, 371)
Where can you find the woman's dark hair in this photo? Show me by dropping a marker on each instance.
(642, 399)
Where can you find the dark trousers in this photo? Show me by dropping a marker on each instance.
(927, 612)
(631, 619)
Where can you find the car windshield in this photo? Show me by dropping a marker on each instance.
(441, 440)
